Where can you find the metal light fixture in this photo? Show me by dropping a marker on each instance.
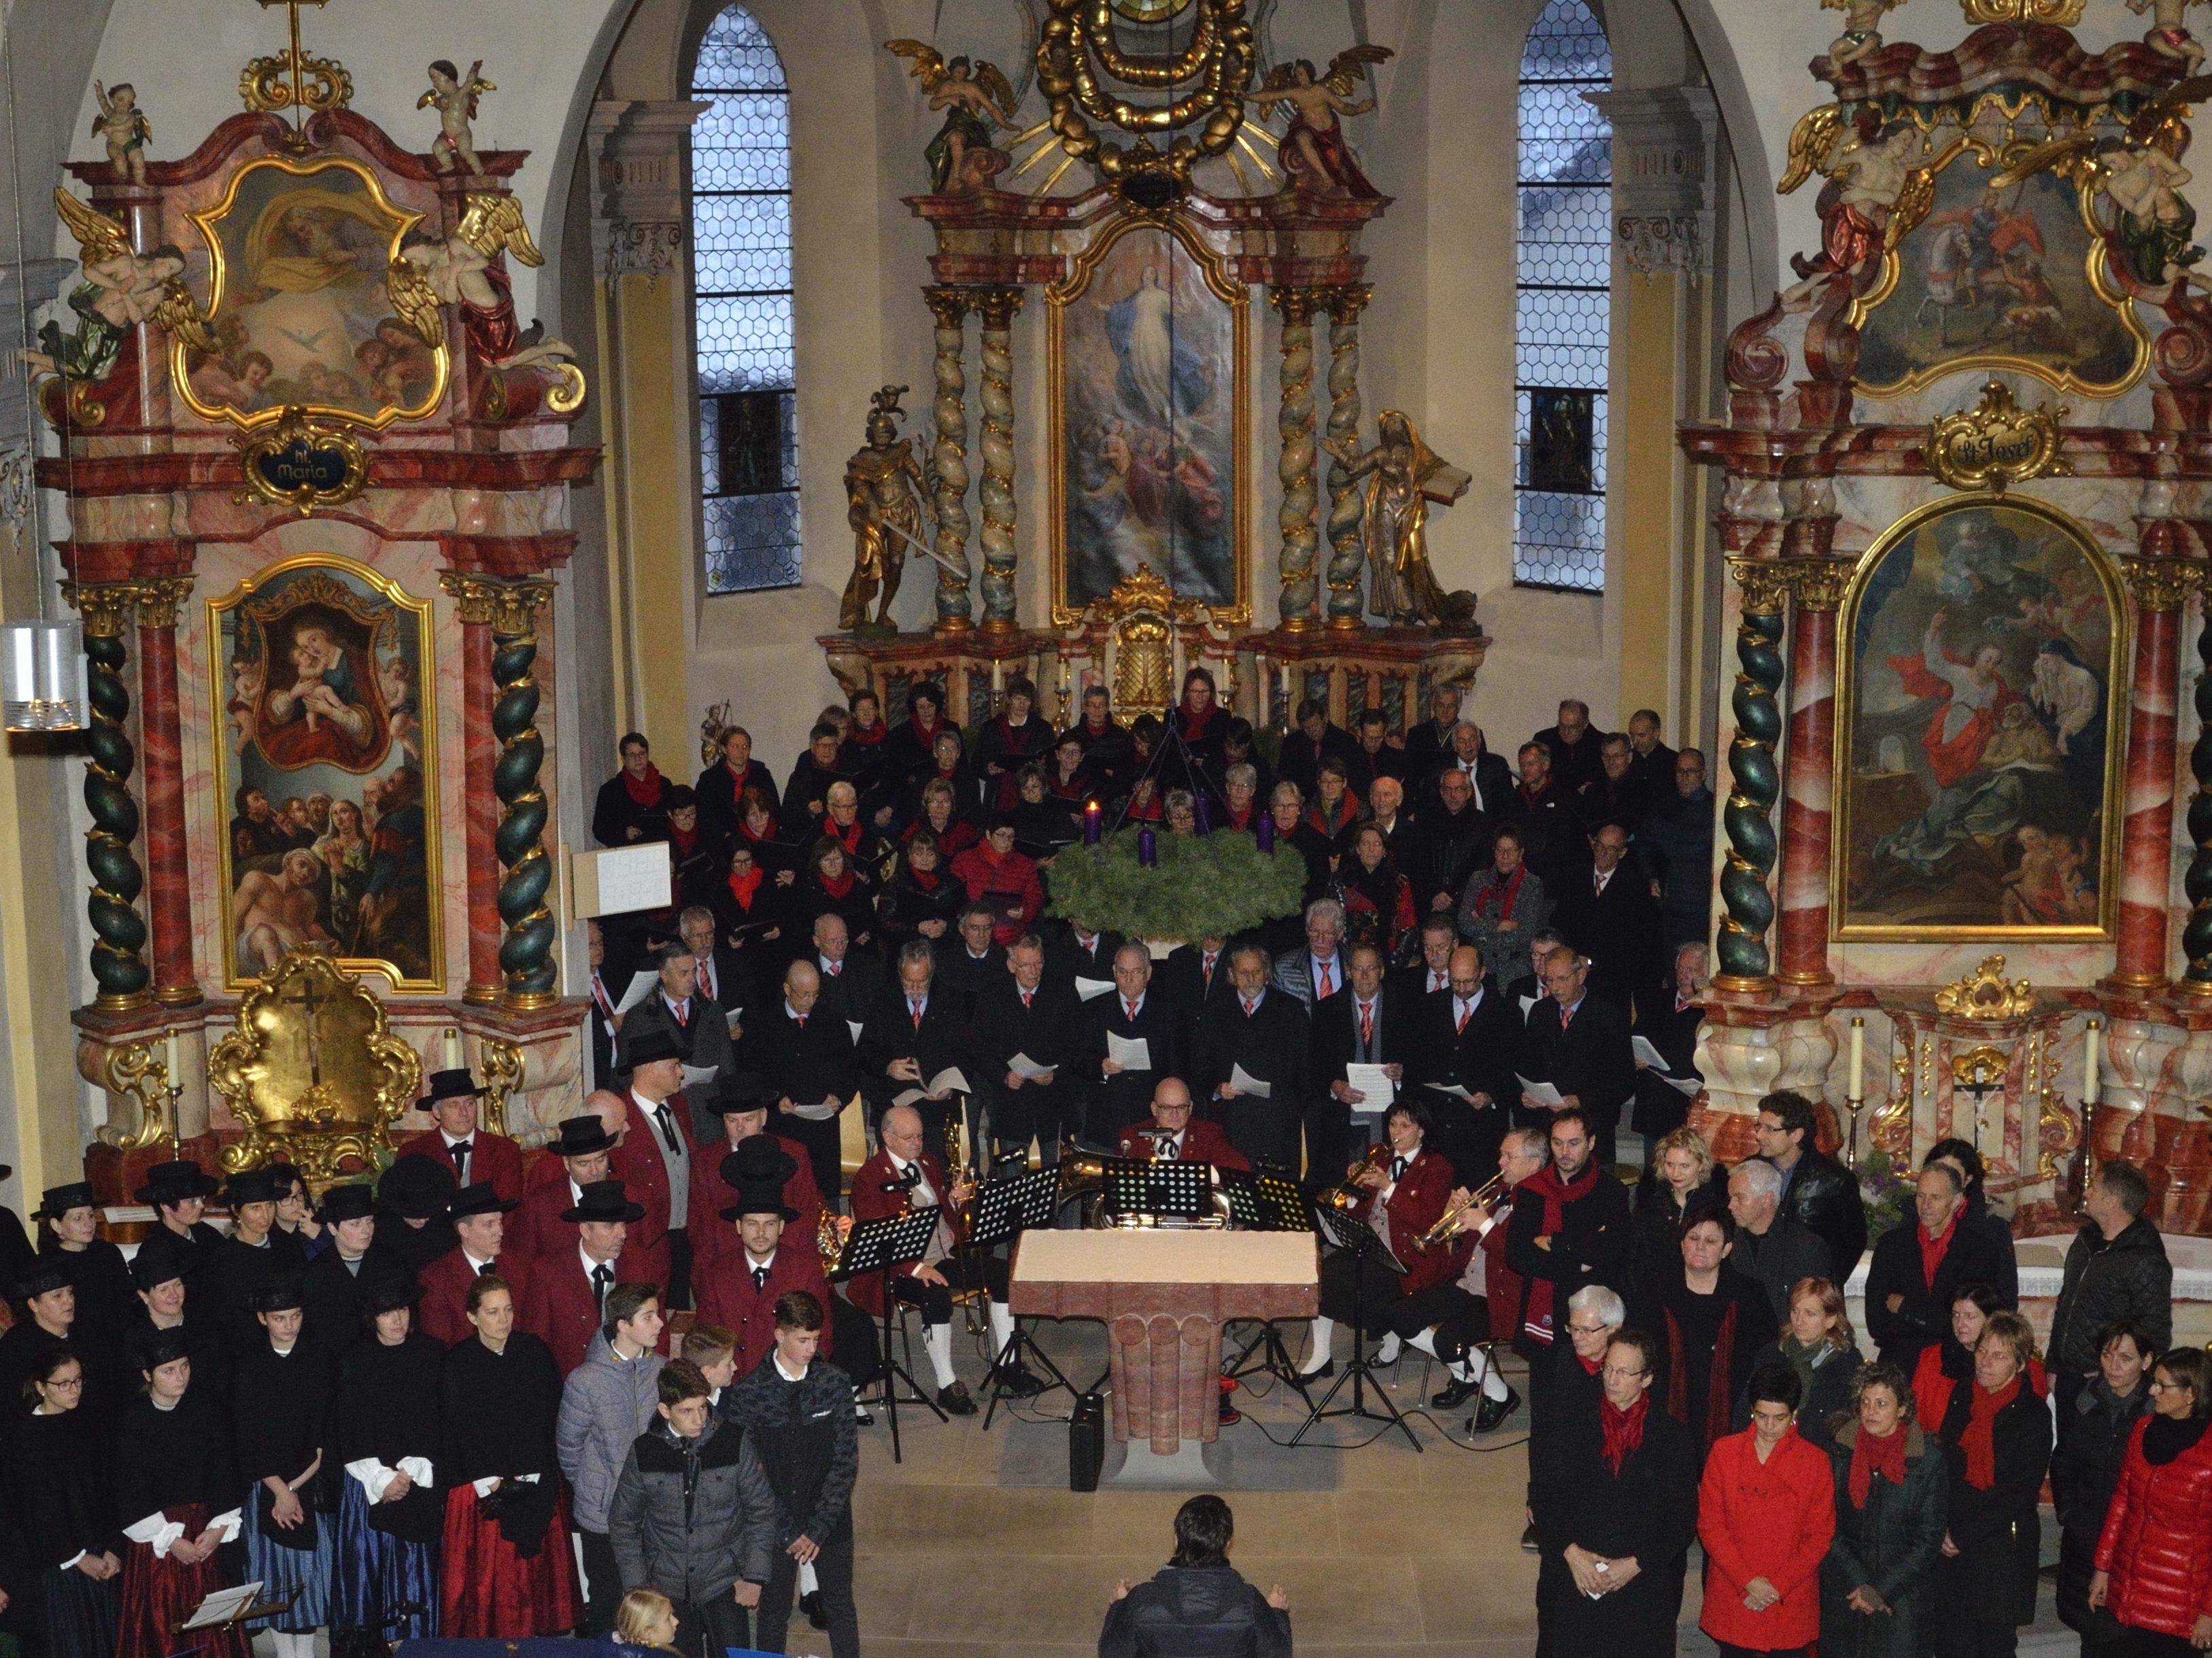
(42, 677)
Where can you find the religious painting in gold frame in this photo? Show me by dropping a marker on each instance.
(1981, 712)
(1146, 364)
(297, 254)
(327, 772)
(2013, 277)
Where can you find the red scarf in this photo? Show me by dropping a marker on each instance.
(1720, 1405)
(1348, 805)
(1932, 1250)
(738, 775)
(924, 734)
(1238, 820)
(1536, 1318)
(683, 840)
(867, 738)
(849, 837)
(643, 791)
(1623, 1429)
(1979, 1440)
(1154, 811)
(1194, 725)
(926, 879)
(1871, 1456)
(1590, 1366)
(763, 837)
(838, 888)
(1931, 1386)
(743, 887)
(1497, 900)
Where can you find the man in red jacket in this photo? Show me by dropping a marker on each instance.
(654, 1162)
(1402, 1197)
(741, 1292)
(1171, 1135)
(743, 1119)
(566, 1299)
(479, 1216)
(478, 1156)
(580, 1155)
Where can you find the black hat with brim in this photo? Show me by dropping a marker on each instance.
(604, 1201)
(449, 1085)
(155, 1264)
(44, 1278)
(580, 1136)
(163, 1347)
(57, 1201)
(760, 1198)
(250, 1186)
(758, 1161)
(389, 1293)
(280, 1294)
(416, 1187)
(173, 1182)
(652, 1045)
(481, 1198)
(354, 1200)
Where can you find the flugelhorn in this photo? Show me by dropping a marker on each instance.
(1447, 1224)
(1345, 1196)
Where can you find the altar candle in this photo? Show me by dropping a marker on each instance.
(1260, 682)
(1148, 847)
(1858, 1060)
(453, 1048)
(1267, 828)
(1094, 822)
(998, 677)
(1204, 818)
(2089, 1078)
(173, 1059)
(1287, 698)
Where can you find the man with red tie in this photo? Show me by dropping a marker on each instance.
(564, 1304)
(762, 1264)
(655, 1163)
(1316, 972)
(1024, 1016)
(1401, 1198)
(478, 1214)
(1469, 1039)
(713, 1188)
(677, 1019)
(1195, 978)
(478, 1156)
(1432, 973)
(1262, 1032)
(1122, 1093)
(916, 1033)
(1171, 1135)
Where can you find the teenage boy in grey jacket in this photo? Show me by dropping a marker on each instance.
(606, 1402)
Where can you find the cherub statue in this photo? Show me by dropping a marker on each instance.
(884, 489)
(125, 127)
(1404, 476)
(2155, 224)
(455, 96)
(1870, 174)
(120, 290)
(1862, 34)
(1312, 149)
(2168, 34)
(468, 268)
(977, 100)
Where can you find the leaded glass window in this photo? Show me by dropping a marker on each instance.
(1563, 302)
(741, 276)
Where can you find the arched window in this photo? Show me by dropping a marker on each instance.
(1563, 311)
(741, 275)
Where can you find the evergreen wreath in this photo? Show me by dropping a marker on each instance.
(1204, 885)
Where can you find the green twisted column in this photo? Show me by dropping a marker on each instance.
(2196, 934)
(119, 932)
(948, 457)
(1745, 964)
(1294, 465)
(996, 438)
(526, 955)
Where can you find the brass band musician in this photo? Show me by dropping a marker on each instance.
(1171, 1135)
(1402, 1195)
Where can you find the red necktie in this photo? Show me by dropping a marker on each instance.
(1566, 1018)
(1366, 1022)
(599, 995)
(916, 1007)
(1133, 1010)
(1326, 986)
(1465, 1013)
(1250, 1006)
(707, 979)
(837, 967)
(802, 1021)
(1438, 981)
(1026, 994)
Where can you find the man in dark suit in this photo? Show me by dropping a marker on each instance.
(1121, 1094)
(1072, 952)
(967, 960)
(1491, 778)
(1614, 796)
(676, 1019)
(1451, 839)
(1661, 1107)
(1578, 1043)
(479, 1214)
(1469, 1037)
(917, 1031)
(1650, 761)
(1316, 971)
(1439, 937)
(1376, 757)
(476, 1153)
(1361, 1024)
(1607, 914)
(1024, 1013)
(1429, 744)
(1314, 741)
(1171, 1135)
(721, 978)
(1573, 743)
(854, 986)
(723, 784)
(1553, 839)
(799, 1059)
(1195, 978)
(1264, 1031)
(607, 984)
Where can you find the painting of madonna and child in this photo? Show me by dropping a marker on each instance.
(1980, 658)
(325, 746)
(1148, 424)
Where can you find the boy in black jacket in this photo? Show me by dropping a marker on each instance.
(1199, 1603)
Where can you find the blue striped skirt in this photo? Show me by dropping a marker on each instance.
(303, 1574)
(379, 1573)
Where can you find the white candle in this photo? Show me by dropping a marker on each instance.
(998, 676)
(1858, 1059)
(1260, 682)
(1286, 697)
(173, 1059)
(453, 1048)
(2089, 1078)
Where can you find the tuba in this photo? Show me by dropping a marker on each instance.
(830, 1238)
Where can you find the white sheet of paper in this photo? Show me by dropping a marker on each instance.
(1375, 1082)
(1650, 1055)
(951, 1080)
(221, 1604)
(1688, 1085)
(1130, 1055)
(854, 1025)
(1527, 1002)
(1454, 1090)
(1028, 1069)
(1245, 1083)
(698, 1076)
(640, 987)
(630, 878)
(1090, 989)
(1543, 1093)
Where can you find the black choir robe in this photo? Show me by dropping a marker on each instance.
(1117, 1100)
(388, 1406)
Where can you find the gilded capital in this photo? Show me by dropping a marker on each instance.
(1000, 306)
(106, 606)
(515, 609)
(1766, 585)
(1821, 587)
(1345, 303)
(950, 306)
(473, 596)
(1299, 305)
(2160, 583)
(160, 598)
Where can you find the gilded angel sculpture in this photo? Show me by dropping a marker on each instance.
(123, 126)
(467, 267)
(977, 101)
(1404, 475)
(1312, 149)
(120, 290)
(454, 95)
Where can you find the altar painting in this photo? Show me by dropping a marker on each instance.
(1979, 737)
(326, 768)
(297, 255)
(1147, 342)
(1999, 278)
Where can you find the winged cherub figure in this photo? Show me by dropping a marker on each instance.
(455, 96)
(977, 102)
(2169, 33)
(468, 268)
(125, 127)
(1312, 150)
(120, 290)
(1862, 34)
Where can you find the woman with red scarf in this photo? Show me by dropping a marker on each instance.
(1709, 1322)
(757, 830)
(1615, 1506)
(941, 816)
(1335, 808)
(1502, 906)
(1069, 773)
(749, 916)
(1878, 1583)
(910, 752)
(834, 884)
(1996, 1439)
(926, 900)
(1950, 1363)
(2155, 1560)
(1766, 1511)
(629, 808)
(947, 766)
(1203, 724)
(1378, 901)
(1009, 742)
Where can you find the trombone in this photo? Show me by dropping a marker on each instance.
(1448, 1227)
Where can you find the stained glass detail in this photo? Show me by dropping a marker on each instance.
(741, 280)
(1563, 303)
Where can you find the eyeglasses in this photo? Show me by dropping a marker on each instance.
(1586, 1329)
(2158, 1385)
(1614, 1373)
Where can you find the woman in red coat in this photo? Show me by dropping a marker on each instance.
(2155, 1560)
(1767, 1510)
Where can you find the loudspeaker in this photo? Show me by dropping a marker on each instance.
(1087, 1442)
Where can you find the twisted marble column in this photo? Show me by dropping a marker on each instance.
(1346, 549)
(1808, 810)
(1295, 465)
(949, 305)
(169, 861)
(2196, 934)
(526, 956)
(1000, 306)
(1745, 967)
(2160, 588)
(119, 933)
(476, 598)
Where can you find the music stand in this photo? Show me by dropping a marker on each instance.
(1360, 1237)
(1266, 1203)
(881, 1246)
(1182, 1191)
(1006, 1209)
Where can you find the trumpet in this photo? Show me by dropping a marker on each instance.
(1447, 1224)
(1345, 1197)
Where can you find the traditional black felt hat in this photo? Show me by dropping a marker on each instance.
(580, 1136)
(173, 1182)
(481, 1198)
(280, 1294)
(654, 1043)
(760, 1198)
(449, 1085)
(156, 1262)
(43, 1277)
(604, 1201)
(250, 1186)
(160, 1347)
(388, 1293)
(354, 1200)
(417, 1188)
(758, 1158)
(57, 1201)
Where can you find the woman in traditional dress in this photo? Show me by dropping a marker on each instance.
(175, 1484)
(69, 1227)
(59, 1511)
(392, 1509)
(280, 1411)
(507, 1573)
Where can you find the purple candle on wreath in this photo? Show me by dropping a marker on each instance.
(1148, 847)
(1267, 830)
(1205, 819)
(1094, 822)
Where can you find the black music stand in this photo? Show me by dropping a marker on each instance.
(1361, 1238)
(1266, 1203)
(882, 1246)
(1179, 1191)
(1006, 1209)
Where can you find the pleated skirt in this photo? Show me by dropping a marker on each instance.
(491, 1592)
(159, 1595)
(378, 1575)
(80, 1614)
(303, 1574)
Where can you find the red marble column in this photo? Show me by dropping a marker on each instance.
(480, 754)
(1807, 809)
(161, 783)
(2159, 586)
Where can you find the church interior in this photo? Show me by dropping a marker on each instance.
(1762, 447)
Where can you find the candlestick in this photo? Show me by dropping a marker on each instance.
(1266, 829)
(1094, 822)
(1260, 682)
(2090, 1078)
(1858, 1059)
(453, 1048)
(1288, 708)
(1148, 847)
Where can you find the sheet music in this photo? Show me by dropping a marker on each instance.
(1543, 1093)
(951, 1080)
(223, 1605)
(1375, 1082)
(1028, 1069)
(1650, 1055)
(1131, 1055)
(1245, 1083)
(698, 1076)
(1454, 1090)
(1091, 989)
(640, 987)
(1688, 1085)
